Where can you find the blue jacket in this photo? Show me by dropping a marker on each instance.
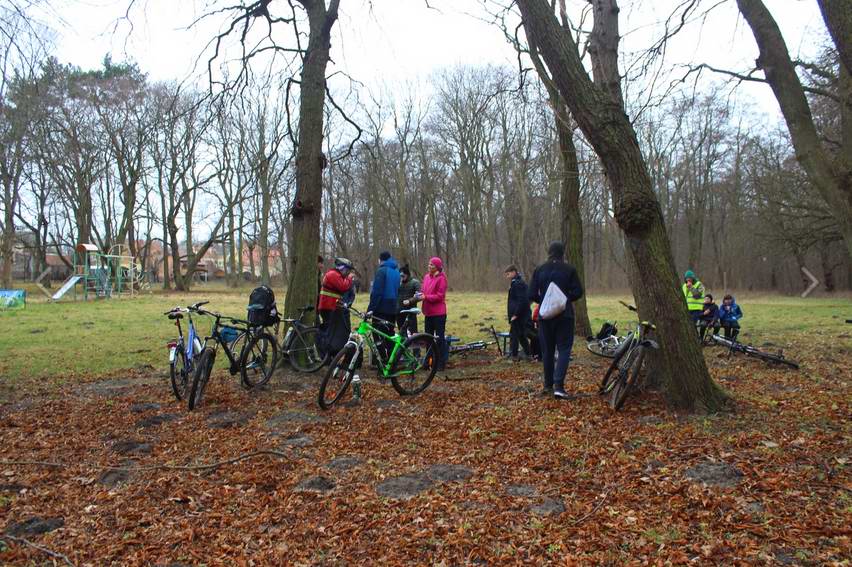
(385, 289)
(731, 312)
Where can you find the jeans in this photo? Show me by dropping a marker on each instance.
(518, 334)
(437, 325)
(556, 336)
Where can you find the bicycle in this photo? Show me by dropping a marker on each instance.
(183, 352)
(299, 345)
(748, 350)
(623, 374)
(257, 355)
(410, 366)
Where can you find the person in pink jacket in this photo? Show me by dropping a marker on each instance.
(433, 293)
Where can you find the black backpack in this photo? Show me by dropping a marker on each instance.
(262, 310)
(607, 330)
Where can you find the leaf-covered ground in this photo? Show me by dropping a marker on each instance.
(477, 470)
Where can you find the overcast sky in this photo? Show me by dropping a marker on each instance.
(384, 42)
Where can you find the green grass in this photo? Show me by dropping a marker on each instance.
(67, 340)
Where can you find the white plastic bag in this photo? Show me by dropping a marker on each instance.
(554, 302)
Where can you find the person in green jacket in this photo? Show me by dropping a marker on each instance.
(693, 291)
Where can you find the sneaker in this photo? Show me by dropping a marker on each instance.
(563, 395)
(545, 392)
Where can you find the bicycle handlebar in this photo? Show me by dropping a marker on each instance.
(632, 308)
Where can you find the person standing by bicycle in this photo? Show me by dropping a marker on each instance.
(557, 332)
(383, 299)
(408, 288)
(518, 312)
(434, 297)
(730, 314)
(693, 292)
(336, 283)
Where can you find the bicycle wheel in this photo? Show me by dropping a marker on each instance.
(303, 351)
(414, 367)
(201, 377)
(628, 378)
(339, 375)
(257, 360)
(604, 349)
(611, 375)
(179, 373)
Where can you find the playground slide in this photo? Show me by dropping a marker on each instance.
(69, 283)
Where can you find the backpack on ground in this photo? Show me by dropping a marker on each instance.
(607, 330)
(262, 310)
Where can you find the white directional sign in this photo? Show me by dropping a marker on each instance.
(814, 282)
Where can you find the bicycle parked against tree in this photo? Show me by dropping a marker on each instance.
(255, 362)
(410, 365)
(300, 344)
(623, 374)
(748, 350)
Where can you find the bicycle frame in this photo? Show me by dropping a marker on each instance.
(366, 330)
(216, 337)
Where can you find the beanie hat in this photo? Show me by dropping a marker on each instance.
(556, 250)
(385, 255)
(689, 274)
(437, 262)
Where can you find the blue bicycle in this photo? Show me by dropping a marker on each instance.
(183, 352)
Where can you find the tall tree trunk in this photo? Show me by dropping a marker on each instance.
(571, 225)
(571, 221)
(600, 114)
(302, 289)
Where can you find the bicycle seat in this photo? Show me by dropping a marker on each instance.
(648, 324)
(412, 311)
(174, 316)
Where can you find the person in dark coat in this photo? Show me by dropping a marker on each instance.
(383, 299)
(709, 317)
(557, 333)
(408, 287)
(518, 312)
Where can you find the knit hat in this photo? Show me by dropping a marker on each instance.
(385, 255)
(556, 250)
(437, 262)
(689, 275)
(405, 270)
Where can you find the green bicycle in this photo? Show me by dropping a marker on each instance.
(409, 366)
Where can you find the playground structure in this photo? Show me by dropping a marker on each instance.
(103, 276)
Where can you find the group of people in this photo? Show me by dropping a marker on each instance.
(542, 333)
(393, 292)
(706, 313)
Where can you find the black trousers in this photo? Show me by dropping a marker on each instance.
(384, 322)
(732, 329)
(409, 319)
(437, 325)
(518, 335)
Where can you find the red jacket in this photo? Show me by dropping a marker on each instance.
(334, 285)
(434, 289)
